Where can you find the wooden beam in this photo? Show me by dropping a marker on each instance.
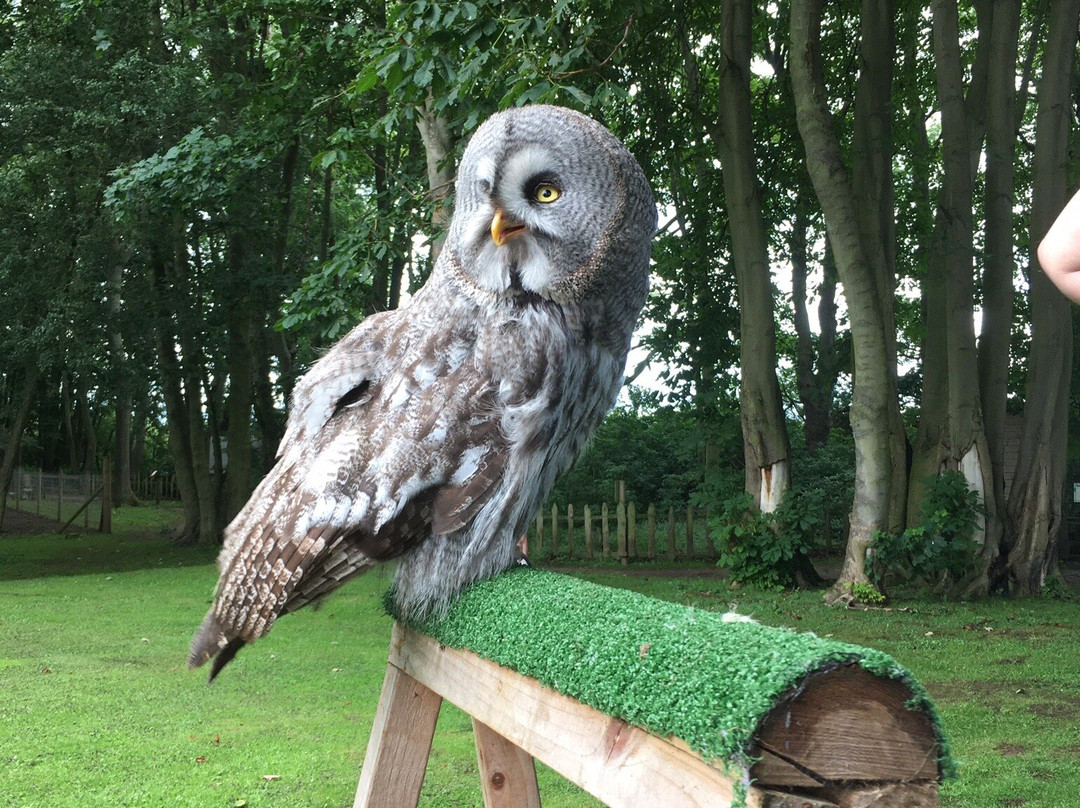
(622, 765)
(400, 743)
(845, 725)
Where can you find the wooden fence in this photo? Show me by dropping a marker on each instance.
(68, 497)
(63, 497)
(156, 486)
(621, 531)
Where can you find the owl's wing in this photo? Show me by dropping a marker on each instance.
(339, 379)
(386, 444)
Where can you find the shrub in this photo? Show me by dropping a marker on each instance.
(867, 594)
(942, 548)
(752, 548)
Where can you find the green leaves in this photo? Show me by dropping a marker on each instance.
(471, 58)
(939, 551)
(754, 548)
(333, 298)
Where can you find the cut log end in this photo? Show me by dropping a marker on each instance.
(847, 738)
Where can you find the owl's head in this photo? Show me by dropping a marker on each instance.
(549, 202)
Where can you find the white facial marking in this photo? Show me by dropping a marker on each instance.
(536, 271)
(485, 170)
(520, 168)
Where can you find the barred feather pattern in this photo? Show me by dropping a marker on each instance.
(432, 434)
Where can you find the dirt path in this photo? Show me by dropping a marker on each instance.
(21, 523)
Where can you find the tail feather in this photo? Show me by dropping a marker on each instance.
(225, 656)
(210, 642)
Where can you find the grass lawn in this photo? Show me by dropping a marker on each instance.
(97, 707)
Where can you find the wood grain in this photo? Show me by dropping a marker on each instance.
(843, 739)
(507, 772)
(400, 743)
(845, 725)
(623, 766)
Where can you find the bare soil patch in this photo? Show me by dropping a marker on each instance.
(1011, 749)
(21, 523)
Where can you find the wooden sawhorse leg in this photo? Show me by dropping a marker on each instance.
(507, 772)
(400, 745)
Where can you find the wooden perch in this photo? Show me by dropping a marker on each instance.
(845, 738)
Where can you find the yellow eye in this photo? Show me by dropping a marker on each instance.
(546, 192)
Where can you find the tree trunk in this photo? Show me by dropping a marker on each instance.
(237, 476)
(18, 424)
(138, 437)
(438, 149)
(170, 374)
(87, 433)
(207, 479)
(765, 440)
(201, 400)
(121, 462)
(69, 421)
(816, 386)
(930, 449)
(872, 396)
(1035, 499)
(268, 417)
(965, 445)
(872, 184)
(999, 264)
(239, 405)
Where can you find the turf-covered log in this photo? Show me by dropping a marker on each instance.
(644, 702)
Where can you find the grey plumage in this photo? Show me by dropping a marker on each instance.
(432, 434)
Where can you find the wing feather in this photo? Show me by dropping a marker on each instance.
(377, 456)
(346, 367)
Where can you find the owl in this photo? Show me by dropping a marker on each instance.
(433, 434)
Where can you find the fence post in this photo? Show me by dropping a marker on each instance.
(570, 531)
(620, 523)
(631, 530)
(605, 533)
(671, 533)
(539, 533)
(105, 525)
(554, 530)
(40, 488)
(60, 497)
(689, 531)
(588, 531)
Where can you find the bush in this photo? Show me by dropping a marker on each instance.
(754, 549)
(867, 594)
(764, 549)
(940, 550)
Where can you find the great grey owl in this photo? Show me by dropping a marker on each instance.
(432, 434)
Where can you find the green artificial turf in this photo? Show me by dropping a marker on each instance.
(671, 669)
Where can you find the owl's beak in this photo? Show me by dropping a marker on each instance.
(504, 228)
